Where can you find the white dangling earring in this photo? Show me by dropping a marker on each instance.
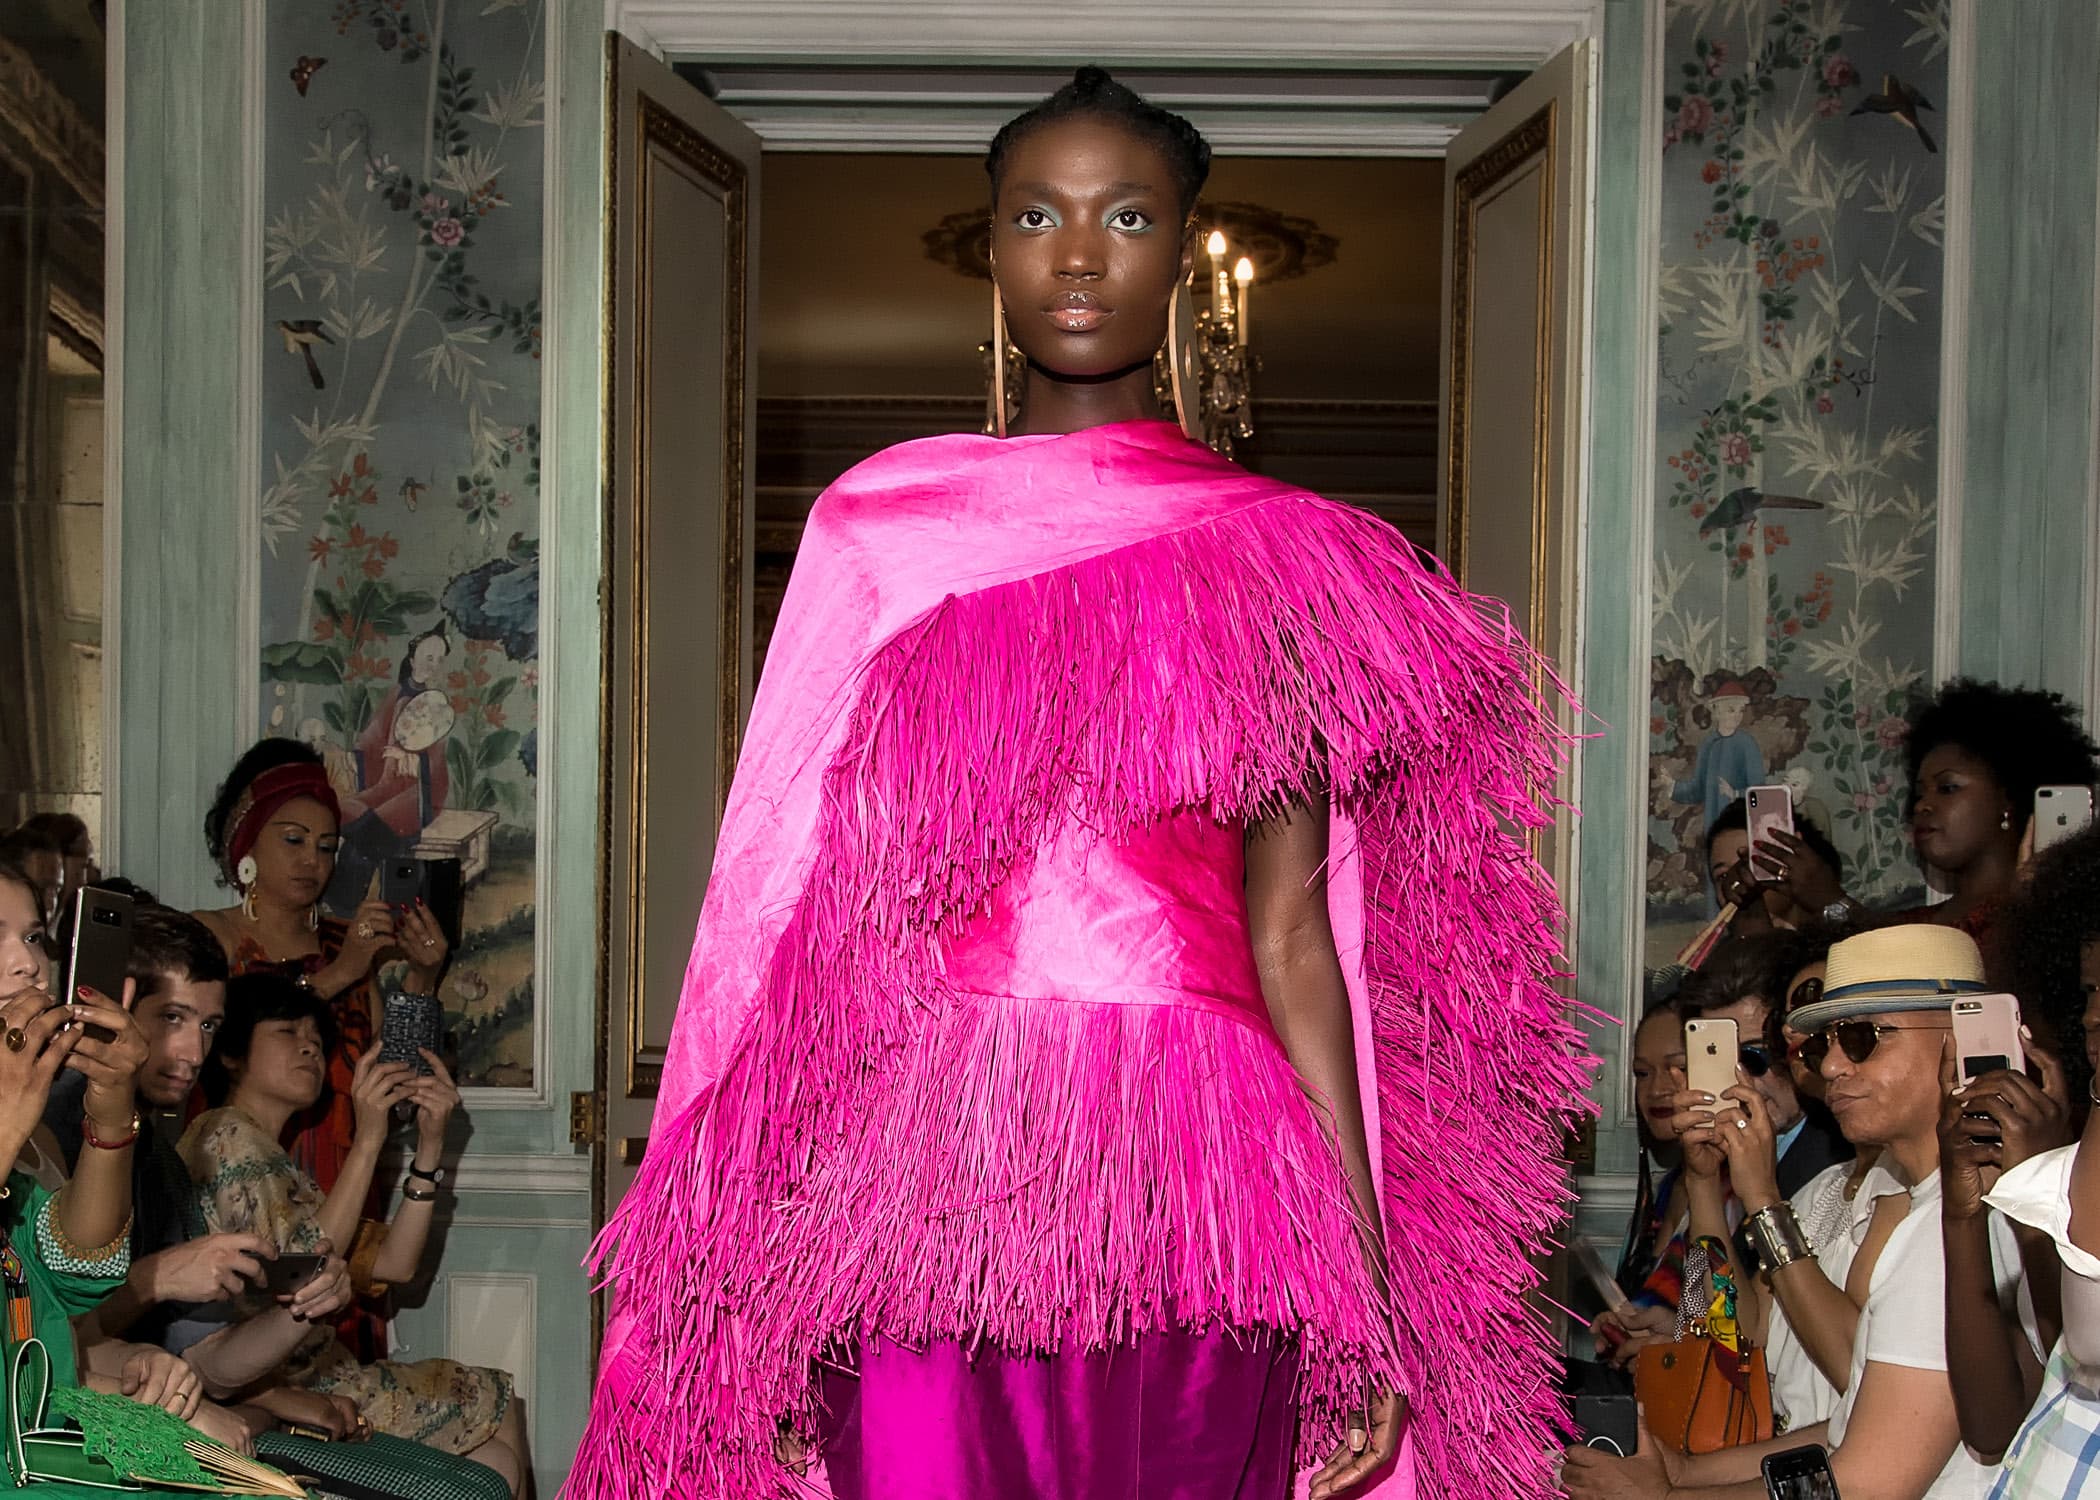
(244, 873)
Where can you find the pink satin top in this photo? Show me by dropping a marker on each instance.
(1158, 917)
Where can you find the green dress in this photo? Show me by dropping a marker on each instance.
(55, 1287)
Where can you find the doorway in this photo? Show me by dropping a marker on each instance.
(732, 402)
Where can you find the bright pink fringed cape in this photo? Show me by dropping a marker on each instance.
(985, 645)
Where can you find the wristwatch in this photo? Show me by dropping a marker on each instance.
(1838, 911)
(435, 1176)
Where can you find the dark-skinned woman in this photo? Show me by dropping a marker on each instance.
(1119, 1054)
(273, 831)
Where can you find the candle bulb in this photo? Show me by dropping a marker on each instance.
(1215, 246)
(1243, 273)
(1221, 284)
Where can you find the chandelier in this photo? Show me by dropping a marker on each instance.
(1222, 365)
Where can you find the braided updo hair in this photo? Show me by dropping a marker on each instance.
(1093, 95)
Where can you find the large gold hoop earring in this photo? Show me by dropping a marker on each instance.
(1005, 370)
(1176, 380)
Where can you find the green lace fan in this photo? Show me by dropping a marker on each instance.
(115, 1443)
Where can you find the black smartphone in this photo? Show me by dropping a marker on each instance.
(99, 951)
(1800, 1474)
(404, 881)
(286, 1274)
(409, 1024)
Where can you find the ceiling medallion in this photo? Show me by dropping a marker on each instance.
(1282, 246)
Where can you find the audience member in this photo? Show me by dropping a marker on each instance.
(1977, 752)
(37, 857)
(2051, 957)
(273, 835)
(1877, 1034)
(1797, 881)
(66, 834)
(1653, 1252)
(267, 1067)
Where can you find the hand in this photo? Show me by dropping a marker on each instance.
(224, 1425)
(154, 1377)
(1752, 1148)
(1620, 1333)
(423, 944)
(375, 1088)
(210, 1269)
(792, 1451)
(335, 1415)
(25, 1076)
(2025, 1118)
(368, 937)
(1593, 1474)
(1698, 1122)
(1738, 884)
(112, 1067)
(325, 1293)
(1366, 1450)
(1786, 862)
(436, 1097)
(1968, 1167)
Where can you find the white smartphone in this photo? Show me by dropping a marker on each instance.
(2059, 813)
(1768, 807)
(1710, 1055)
(1987, 1035)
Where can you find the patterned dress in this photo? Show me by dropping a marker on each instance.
(250, 1186)
(326, 1131)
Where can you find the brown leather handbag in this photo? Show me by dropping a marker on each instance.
(1699, 1395)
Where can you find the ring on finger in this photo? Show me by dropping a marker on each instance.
(17, 1039)
(364, 931)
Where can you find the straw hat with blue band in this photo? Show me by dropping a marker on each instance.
(1917, 966)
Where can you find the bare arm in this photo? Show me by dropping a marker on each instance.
(1308, 1000)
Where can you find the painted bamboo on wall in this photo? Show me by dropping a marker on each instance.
(402, 172)
(1803, 204)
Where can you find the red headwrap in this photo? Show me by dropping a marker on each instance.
(263, 797)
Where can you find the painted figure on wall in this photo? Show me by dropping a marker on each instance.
(1730, 762)
(395, 781)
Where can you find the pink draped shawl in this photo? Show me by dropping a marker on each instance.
(985, 642)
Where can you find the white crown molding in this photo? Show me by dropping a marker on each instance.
(1351, 33)
(1957, 240)
(815, 128)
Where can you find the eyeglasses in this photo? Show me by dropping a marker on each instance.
(1858, 1038)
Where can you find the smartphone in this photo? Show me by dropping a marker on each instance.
(1800, 1474)
(404, 882)
(2059, 813)
(1987, 1035)
(1767, 808)
(1710, 1055)
(409, 1024)
(286, 1274)
(100, 949)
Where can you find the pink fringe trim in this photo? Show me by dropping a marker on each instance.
(882, 1153)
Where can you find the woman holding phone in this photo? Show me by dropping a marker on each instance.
(274, 832)
(267, 1066)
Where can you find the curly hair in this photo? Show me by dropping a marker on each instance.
(1093, 95)
(2029, 737)
(2038, 948)
(263, 755)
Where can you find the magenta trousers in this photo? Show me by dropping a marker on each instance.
(1167, 1416)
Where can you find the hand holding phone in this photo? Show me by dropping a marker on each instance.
(2060, 812)
(99, 950)
(1987, 1036)
(1711, 1057)
(1800, 1474)
(1767, 808)
(286, 1274)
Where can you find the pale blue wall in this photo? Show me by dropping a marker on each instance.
(2027, 491)
(180, 613)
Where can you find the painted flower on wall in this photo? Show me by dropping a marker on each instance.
(1799, 374)
(401, 637)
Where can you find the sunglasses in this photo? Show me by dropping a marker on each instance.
(1755, 1058)
(1857, 1038)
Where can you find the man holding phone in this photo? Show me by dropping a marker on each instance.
(176, 989)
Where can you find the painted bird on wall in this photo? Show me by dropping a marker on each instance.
(1899, 99)
(300, 335)
(1738, 506)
